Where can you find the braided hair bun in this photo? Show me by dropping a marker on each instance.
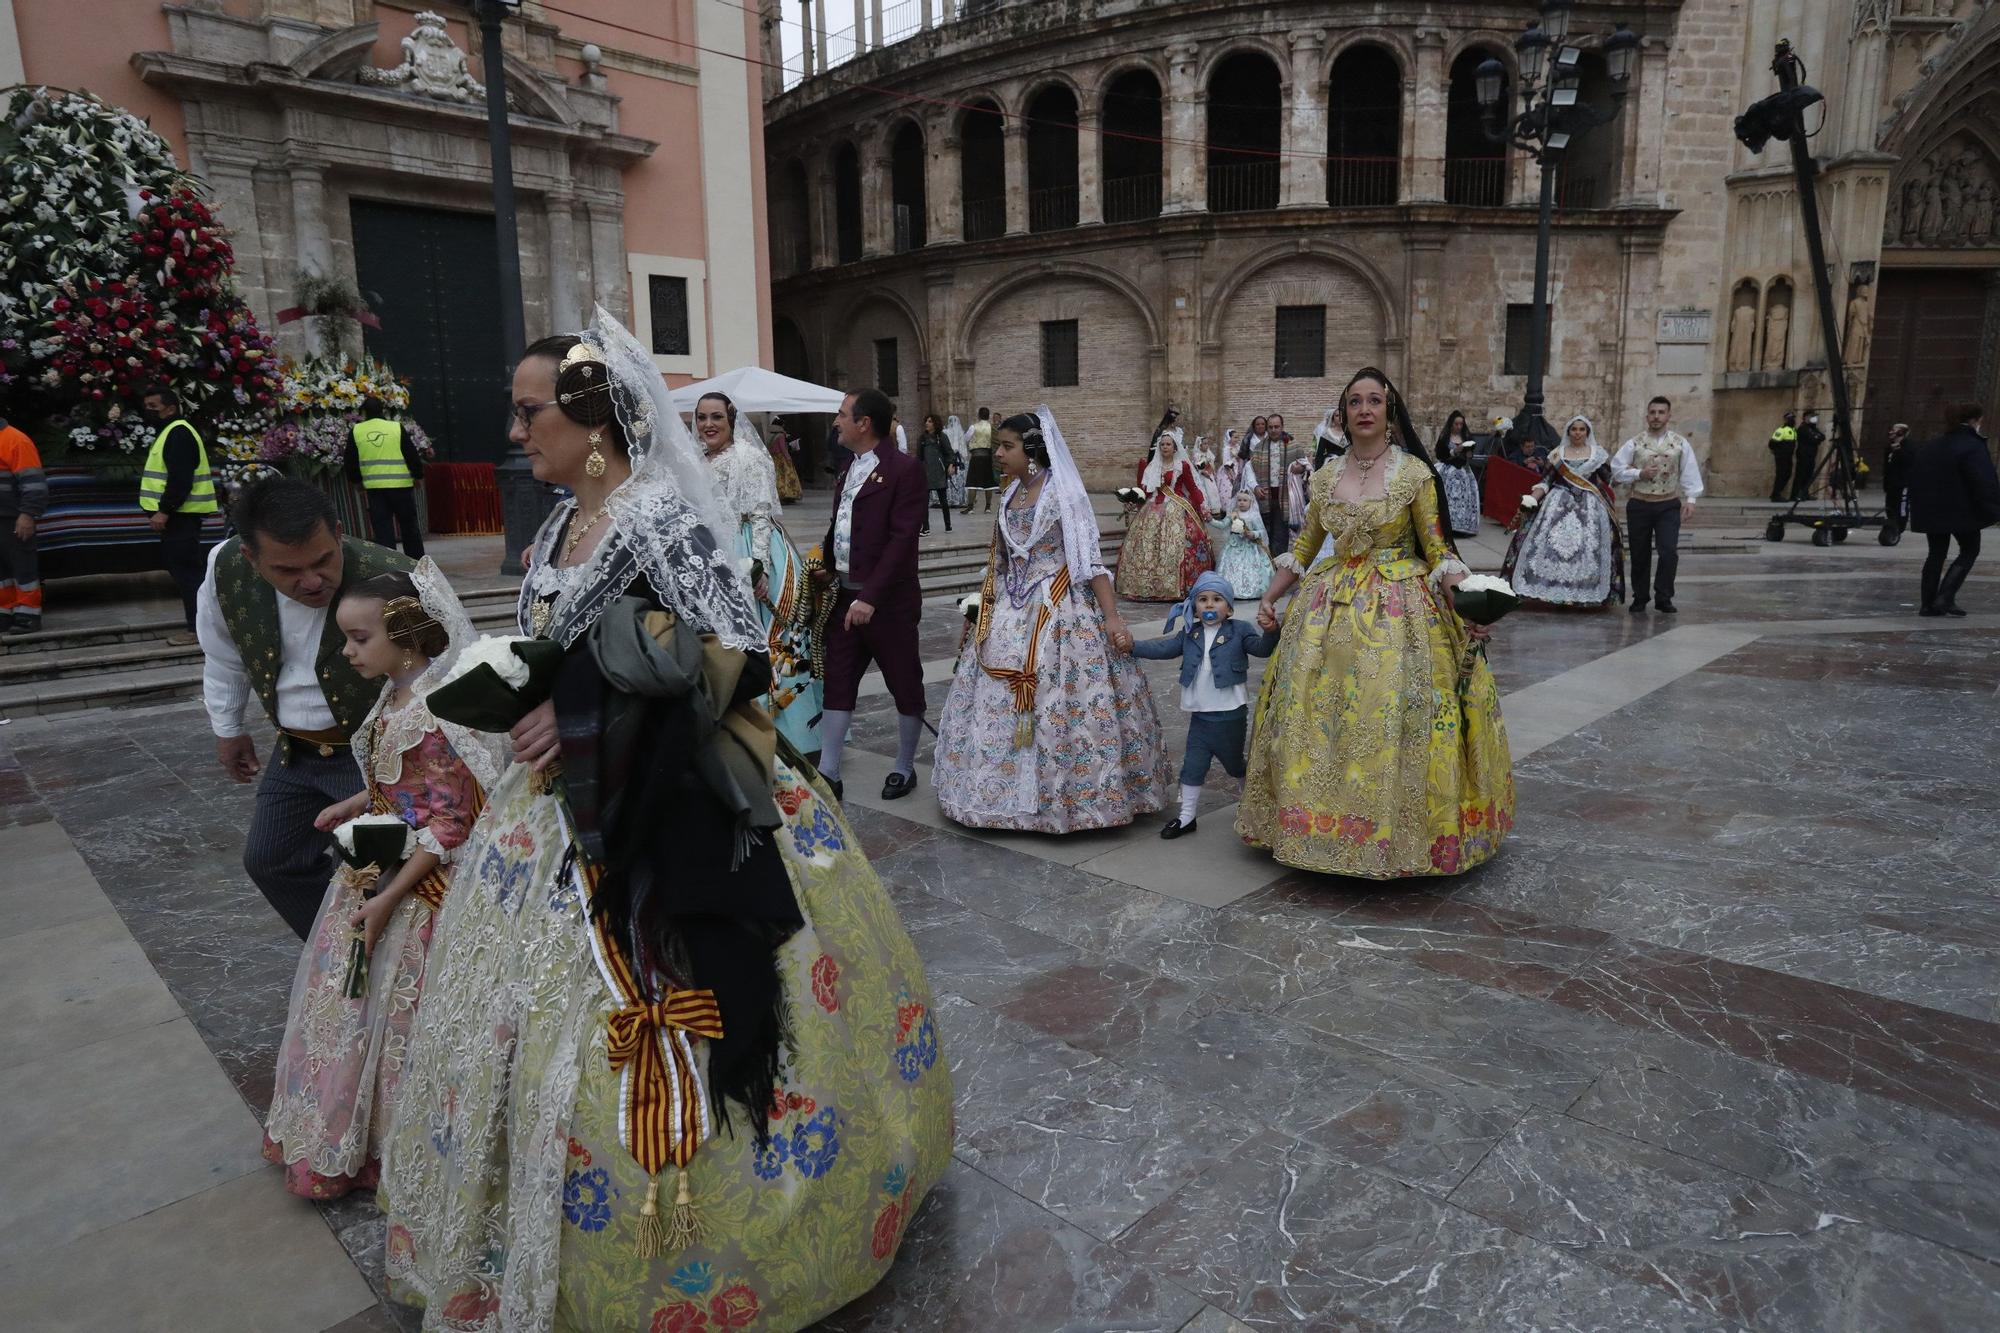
(1029, 427)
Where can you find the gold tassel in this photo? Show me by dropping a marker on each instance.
(652, 1234)
(684, 1230)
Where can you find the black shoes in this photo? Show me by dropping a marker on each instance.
(1638, 608)
(896, 786)
(1666, 608)
(839, 788)
(1175, 829)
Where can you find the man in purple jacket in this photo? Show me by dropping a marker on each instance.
(871, 551)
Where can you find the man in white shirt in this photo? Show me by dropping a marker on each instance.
(1659, 465)
(264, 618)
(871, 560)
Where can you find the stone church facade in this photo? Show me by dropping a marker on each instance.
(348, 139)
(1112, 206)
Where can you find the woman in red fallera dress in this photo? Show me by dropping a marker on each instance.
(1166, 541)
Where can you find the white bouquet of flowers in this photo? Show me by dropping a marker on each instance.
(497, 681)
(370, 847)
(968, 606)
(1239, 527)
(1130, 495)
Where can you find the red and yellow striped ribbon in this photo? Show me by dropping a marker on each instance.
(663, 1098)
(1023, 682)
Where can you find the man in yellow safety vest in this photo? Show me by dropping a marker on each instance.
(177, 490)
(381, 461)
(1784, 444)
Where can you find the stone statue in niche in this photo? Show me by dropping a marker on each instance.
(1857, 327)
(1979, 227)
(1777, 328)
(1743, 332)
(433, 66)
(1932, 220)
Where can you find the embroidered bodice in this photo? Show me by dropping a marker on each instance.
(1398, 535)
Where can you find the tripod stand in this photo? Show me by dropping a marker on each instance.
(1782, 116)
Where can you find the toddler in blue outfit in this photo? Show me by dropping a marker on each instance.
(1215, 652)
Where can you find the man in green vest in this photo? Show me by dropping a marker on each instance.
(1784, 443)
(381, 461)
(177, 491)
(266, 625)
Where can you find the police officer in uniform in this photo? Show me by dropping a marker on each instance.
(380, 459)
(178, 491)
(1784, 444)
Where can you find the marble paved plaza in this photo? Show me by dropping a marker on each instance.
(1714, 1044)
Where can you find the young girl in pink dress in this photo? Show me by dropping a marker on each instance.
(343, 1055)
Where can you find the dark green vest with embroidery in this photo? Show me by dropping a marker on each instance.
(250, 609)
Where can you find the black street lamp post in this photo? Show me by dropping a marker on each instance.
(1550, 121)
(522, 501)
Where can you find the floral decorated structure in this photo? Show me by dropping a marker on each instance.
(115, 278)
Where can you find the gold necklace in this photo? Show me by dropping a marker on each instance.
(577, 535)
(1366, 465)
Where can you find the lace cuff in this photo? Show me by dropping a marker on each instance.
(1290, 562)
(1446, 567)
(429, 842)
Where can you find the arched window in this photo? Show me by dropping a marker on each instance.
(982, 172)
(791, 235)
(1364, 127)
(1587, 173)
(1052, 159)
(1132, 147)
(1475, 167)
(1245, 106)
(906, 188)
(847, 203)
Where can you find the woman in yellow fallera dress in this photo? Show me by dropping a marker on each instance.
(1377, 749)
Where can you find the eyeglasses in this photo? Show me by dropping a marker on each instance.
(525, 413)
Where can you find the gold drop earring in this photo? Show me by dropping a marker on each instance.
(594, 465)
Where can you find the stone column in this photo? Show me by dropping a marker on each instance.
(313, 245)
(1302, 171)
(950, 11)
(941, 185)
(1867, 59)
(924, 15)
(1646, 110)
(937, 337)
(860, 26)
(1016, 135)
(1186, 119)
(1423, 122)
(819, 208)
(610, 269)
(265, 278)
(1423, 300)
(875, 25)
(819, 32)
(878, 211)
(1089, 168)
(564, 269)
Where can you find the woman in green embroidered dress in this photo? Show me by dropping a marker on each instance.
(677, 1066)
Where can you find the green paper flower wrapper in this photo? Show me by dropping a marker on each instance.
(496, 682)
(1481, 599)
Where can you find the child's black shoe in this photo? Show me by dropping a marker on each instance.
(1175, 829)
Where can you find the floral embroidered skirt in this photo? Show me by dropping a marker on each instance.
(342, 1059)
(794, 700)
(512, 1202)
(1461, 498)
(1247, 566)
(789, 488)
(1099, 754)
(1568, 554)
(1371, 754)
(1166, 549)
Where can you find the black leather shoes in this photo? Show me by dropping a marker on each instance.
(1638, 608)
(896, 786)
(1666, 608)
(839, 788)
(1175, 829)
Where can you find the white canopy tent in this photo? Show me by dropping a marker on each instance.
(755, 389)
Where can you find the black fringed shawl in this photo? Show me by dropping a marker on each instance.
(673, 890)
